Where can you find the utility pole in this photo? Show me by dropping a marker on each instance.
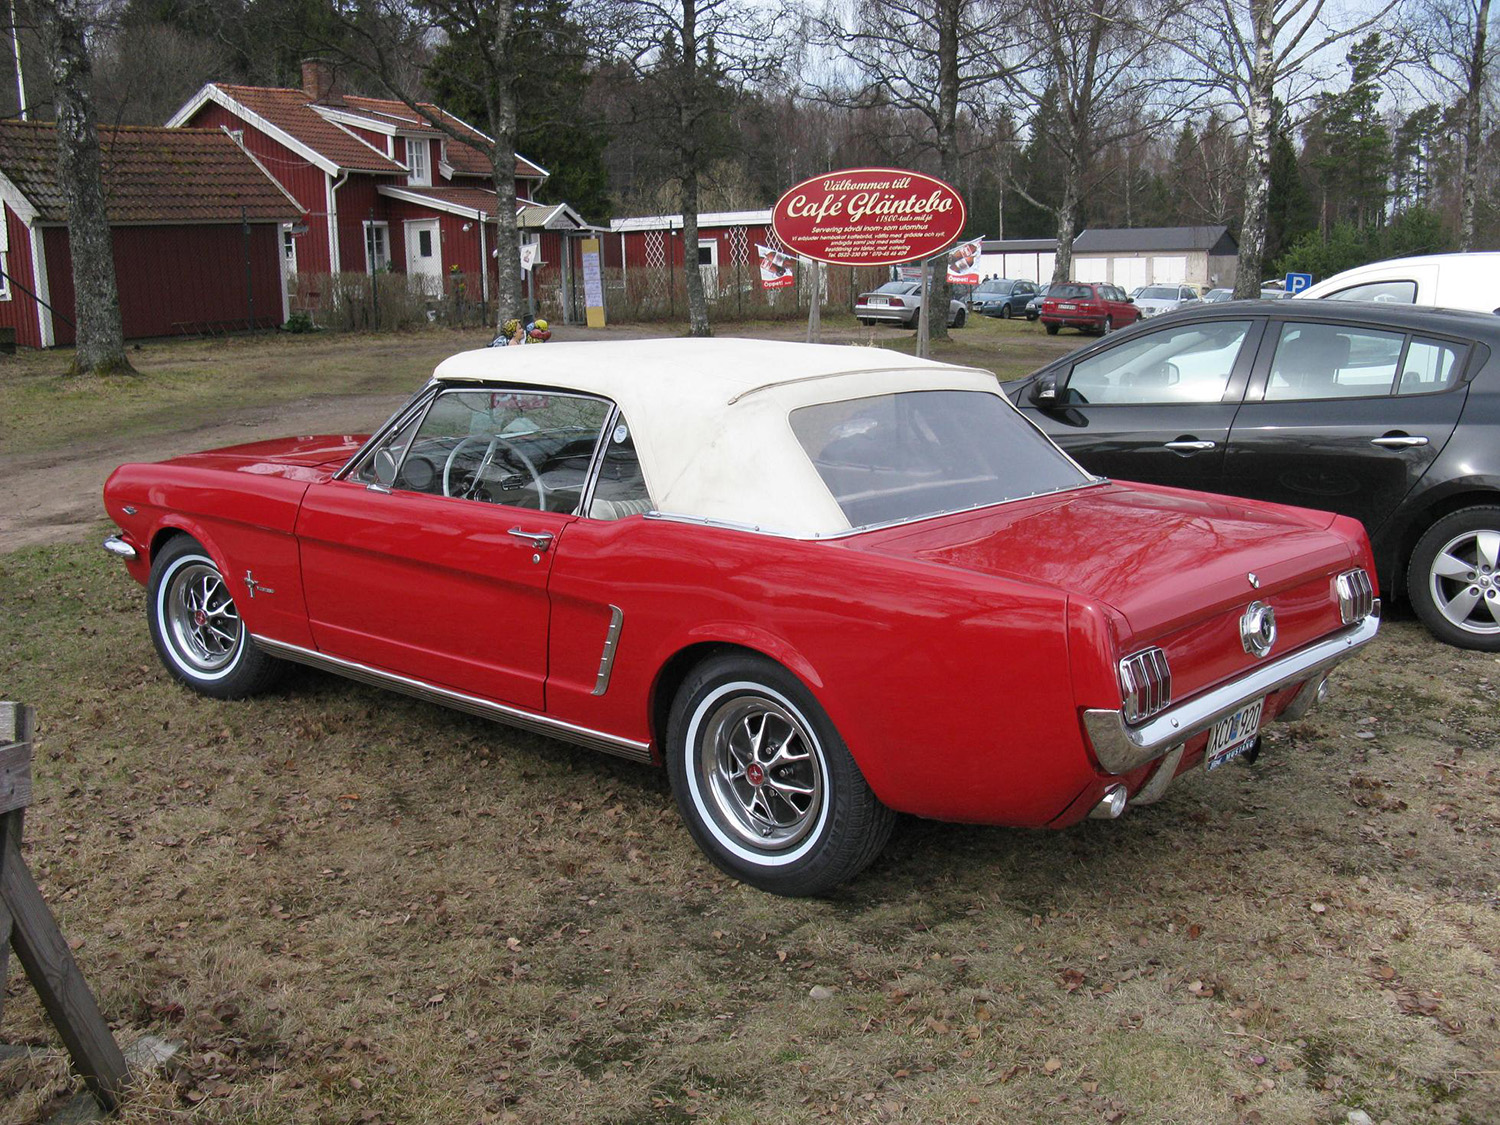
(15, 42)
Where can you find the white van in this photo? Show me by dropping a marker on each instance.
(1453, 281)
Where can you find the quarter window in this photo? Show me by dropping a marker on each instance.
(1381, 292)
(1430, 365)
(621, 488)
(1333, 361)
(1187, 364)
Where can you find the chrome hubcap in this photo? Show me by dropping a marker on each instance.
(1465, 581)
(763, 773)
(204, 625)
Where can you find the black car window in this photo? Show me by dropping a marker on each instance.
(1430, 365)
(526, 449)
(1333, 361)
(1191, 363)
(1381, 292)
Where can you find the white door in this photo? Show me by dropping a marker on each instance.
(1130, 272)
(1168, 270)
(424, 254)
(1090, 269)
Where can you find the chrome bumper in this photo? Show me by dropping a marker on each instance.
(1120, 747)
(117, 546)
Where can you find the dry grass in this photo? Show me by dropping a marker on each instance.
(353, 907)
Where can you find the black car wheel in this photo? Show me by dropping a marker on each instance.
(1454, 578)
(1052, 329)
(196, 626)
(1109, 325)
(866, 321)
(958, 321)
(1005, 311)
(764, 782)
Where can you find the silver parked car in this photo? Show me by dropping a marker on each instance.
(1157, 299)
(899, 302)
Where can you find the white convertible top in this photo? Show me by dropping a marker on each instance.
(710, 417)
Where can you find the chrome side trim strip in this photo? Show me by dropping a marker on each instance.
(117, 546)
(473, 705)
(1120, 747)
(611, 641)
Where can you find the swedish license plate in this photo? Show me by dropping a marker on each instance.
(1232, 735)
(1067, 306)
(878, 301)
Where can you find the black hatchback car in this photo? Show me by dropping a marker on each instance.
(1384, 413)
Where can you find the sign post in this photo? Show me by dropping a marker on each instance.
(1296, 282)
(869, 217)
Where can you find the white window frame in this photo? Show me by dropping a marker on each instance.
(384, 229)
(4, 254)
(288, 249)
(418, 162)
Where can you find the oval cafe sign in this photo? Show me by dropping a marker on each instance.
(869, 217)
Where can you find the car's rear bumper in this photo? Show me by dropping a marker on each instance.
(1121, 747)
(877, 312)
(1073, 321)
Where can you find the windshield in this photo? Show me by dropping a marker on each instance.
(1159, 293)
(1070, 292)
(903, 456)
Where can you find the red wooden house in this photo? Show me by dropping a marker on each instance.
(379, 185)
(725, 250)
(196, 227)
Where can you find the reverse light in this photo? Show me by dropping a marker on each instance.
(1356, 595)
(1145, 684)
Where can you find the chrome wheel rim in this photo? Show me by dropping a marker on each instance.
(201, 618)
(763, 772)
(1464, 581)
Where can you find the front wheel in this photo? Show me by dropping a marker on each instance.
(958, 321)
(196, 626)
(1453, 578)
(764, 782)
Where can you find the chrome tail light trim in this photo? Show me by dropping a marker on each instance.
(1356, 595)
(1146, 684)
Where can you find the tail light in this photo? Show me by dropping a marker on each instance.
(1356, 595)
(897, 302)
(1145, 684)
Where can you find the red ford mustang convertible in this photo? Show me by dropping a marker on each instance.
(820, 584)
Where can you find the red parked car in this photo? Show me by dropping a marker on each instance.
(821, 585)
(1087, 306)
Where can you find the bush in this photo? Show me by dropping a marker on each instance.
(299, 321)
(1415, 231)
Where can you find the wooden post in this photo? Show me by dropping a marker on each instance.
(925, 293)
(40, 945)
(815, 309)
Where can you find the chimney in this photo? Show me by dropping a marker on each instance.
(320, 82)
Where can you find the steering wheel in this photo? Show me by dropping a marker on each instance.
(484, 463)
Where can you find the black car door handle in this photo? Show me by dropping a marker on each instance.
(1399, 441)
(1190, 446)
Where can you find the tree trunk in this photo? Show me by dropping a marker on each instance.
(692, 275)
(947, 138)
(1067, 229)
(1473, 117)
(100, 337)
(510, 293)
(1257, 156)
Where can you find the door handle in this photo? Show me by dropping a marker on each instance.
(539, 540)
(1190, 446)
(1399, 441)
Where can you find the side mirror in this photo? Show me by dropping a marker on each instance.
(1044, 392)
(385, 467)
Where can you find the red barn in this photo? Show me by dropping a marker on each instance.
(380, 187)
(196, 225)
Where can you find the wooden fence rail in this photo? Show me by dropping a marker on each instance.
(27, 924)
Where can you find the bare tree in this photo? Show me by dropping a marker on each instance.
(681, 64)
(1250, 53)
(1451, 38)
(391, 41)
(100, 337)
(932, 61)
(1101, 75)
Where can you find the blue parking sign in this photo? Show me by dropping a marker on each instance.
(1296, 282)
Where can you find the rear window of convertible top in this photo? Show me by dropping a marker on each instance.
(890, 458)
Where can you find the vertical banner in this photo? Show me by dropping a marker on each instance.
(963, 263)
(593, 284)
(776, 270)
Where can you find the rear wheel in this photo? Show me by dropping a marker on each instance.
(1453, 579)
(866, 321)
(1052, 329)
(1109, 325)
(764, 782)
(196, 626)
